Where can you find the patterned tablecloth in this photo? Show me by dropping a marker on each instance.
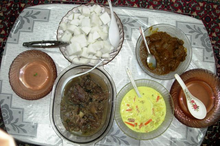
(29, 120)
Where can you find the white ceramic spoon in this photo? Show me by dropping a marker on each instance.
(195, 106)
(133, 82)
(114, 36)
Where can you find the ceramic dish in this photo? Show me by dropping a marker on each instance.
(112, 54)
(169, 110)
(102, 78)
(32, 74)
(174, 32)
(205, 86)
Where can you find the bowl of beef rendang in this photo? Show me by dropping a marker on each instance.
(82, 109)
(171, 48)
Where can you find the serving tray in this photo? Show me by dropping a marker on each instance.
(29, 120)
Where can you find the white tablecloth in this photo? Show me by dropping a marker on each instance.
(29, 120)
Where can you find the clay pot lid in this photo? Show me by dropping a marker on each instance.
(204, 85)
(32, 74)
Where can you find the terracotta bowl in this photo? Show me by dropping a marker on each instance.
(205, 86)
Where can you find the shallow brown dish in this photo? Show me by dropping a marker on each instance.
(113, 54)
(204, 85)
(32, 74)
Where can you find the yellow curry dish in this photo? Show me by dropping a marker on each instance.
(143, 114)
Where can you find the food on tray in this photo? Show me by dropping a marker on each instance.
(83, 105)
(143, 114)
(86, 28)
(168, 51)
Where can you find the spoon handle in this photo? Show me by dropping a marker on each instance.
(133, 83)
(80, 74)
(110, 6)
(180, 81)
(145, 41)
(184, 88)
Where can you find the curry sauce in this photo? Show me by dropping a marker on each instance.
(168, 51)
(143, 114)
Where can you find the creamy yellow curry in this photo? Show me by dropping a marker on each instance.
(143, 114)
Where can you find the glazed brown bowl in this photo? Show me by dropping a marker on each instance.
(205, 86)
(32, 74)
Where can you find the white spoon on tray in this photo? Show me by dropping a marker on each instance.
(114, 36)
(195, 106)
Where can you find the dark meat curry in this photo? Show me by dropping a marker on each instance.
(168, 51)
(83, 106)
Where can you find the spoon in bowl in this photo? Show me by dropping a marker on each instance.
(151, 60)
(195, 106)
(114, 36)
(133, 82)
(83, 73)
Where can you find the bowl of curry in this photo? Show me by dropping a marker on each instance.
(82, 108)
(144, 117)
(171, 48)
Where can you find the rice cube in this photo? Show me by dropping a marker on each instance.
(95, 35)
(86, 30)
(75, 22)
(81, 39)
(74, 49)
(66, 36)
(85, 11)
(85, 22)
(106, 47)
(77, 31)
(105, 18)
(95, 28)
(72, 57)
(76, 60)
(76, 15)
(80, 9)
(106, 56)
(94, 60)
(97, 9)
(70, 17)
(98, 54)
(71, 28)
(81, 17)
(103, 35)
(105, 28)
(63, 26)
(90, 38)
(98, 45)
(84, 52)
(95, 20)
(91, 49)
(84, 61)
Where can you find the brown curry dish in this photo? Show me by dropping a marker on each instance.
(84, 105)
(168, 51)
